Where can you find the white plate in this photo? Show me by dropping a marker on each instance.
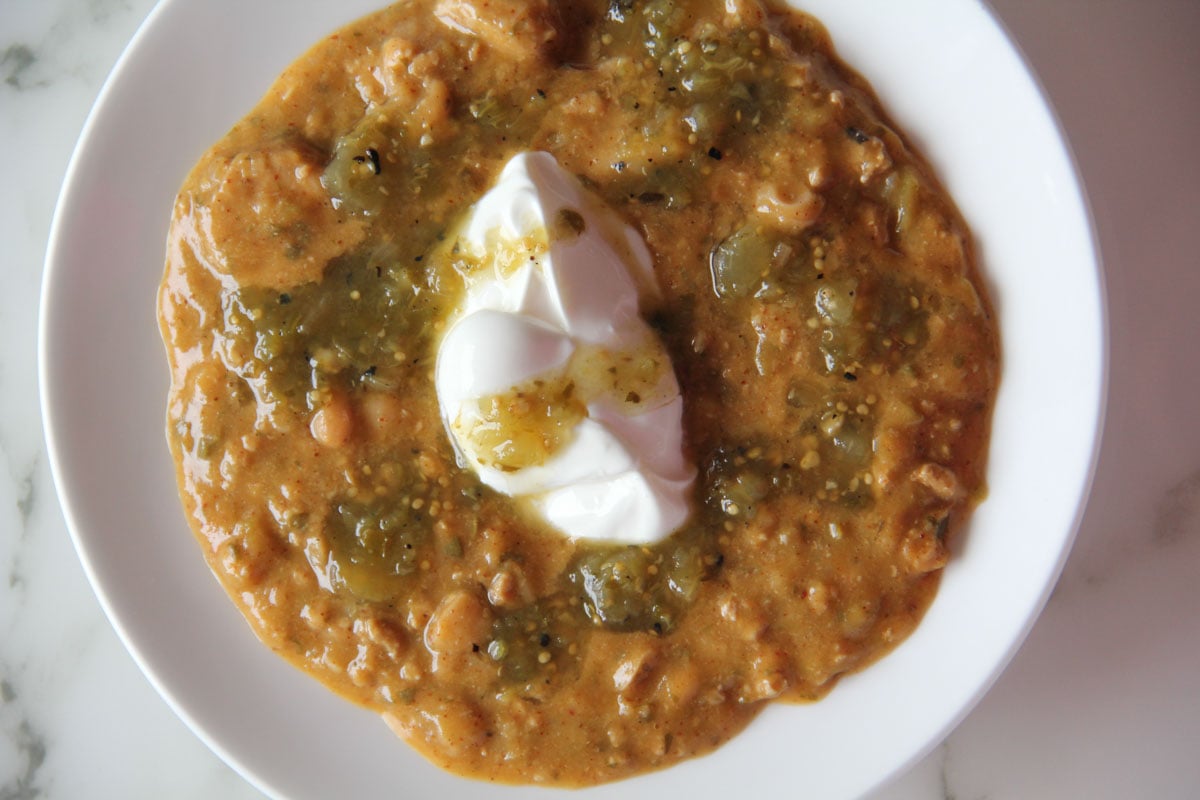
(950, 78)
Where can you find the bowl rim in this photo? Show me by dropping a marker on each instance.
(58, 449)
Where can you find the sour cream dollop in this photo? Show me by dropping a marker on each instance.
(551, 385)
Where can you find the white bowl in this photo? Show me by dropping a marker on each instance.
(950, 78)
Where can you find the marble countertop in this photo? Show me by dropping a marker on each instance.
(1103, 700)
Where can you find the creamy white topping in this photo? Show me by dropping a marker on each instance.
(551, 385)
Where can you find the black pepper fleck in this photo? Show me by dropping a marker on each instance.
(715, 154)
(373, 154)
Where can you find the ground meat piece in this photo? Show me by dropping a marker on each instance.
(264, 219)
(523, 29)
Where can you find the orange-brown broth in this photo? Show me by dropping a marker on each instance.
(838, 408)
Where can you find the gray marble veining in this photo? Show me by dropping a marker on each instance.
(27, 744)
(26, 496)
(42, 43)
(15, 62)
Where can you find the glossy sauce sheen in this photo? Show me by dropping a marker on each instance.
(835, 354)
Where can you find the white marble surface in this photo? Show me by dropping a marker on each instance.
(1103, 701)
